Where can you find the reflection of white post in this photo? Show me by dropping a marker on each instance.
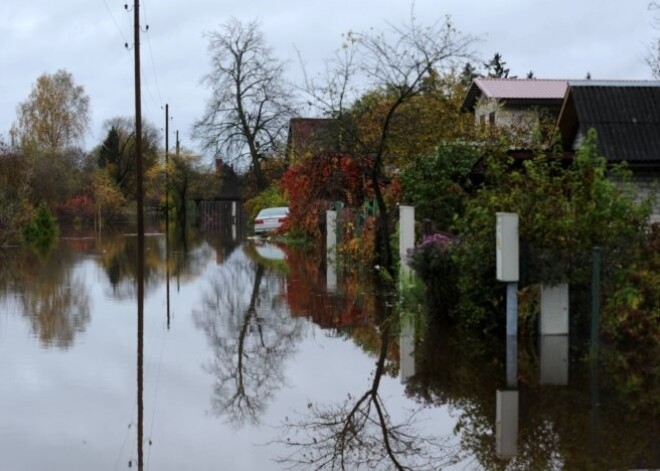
(554, 359)
(554, 310)
(506, 423)
(233, 220)
(407, 348)
(406, 237)
(331, 249)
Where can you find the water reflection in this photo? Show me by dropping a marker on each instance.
(251, 333)
(48, 292)
(272, 339)
(359, 431)
(546, 419)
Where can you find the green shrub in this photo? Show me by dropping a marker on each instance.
(433, 261)
(42, 232)
(271, 197)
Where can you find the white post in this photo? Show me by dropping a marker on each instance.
(507, 255)
(506, 247)
(331, 250)
(554, 310)
(406, 237)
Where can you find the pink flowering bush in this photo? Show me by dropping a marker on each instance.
(433, 262)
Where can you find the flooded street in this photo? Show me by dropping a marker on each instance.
(246, 361)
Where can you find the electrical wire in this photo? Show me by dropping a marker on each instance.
(107, 7)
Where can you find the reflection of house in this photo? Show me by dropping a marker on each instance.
(514, 102)
(309, 136)
(626, 117)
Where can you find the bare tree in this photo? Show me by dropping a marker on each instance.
(653, 56)
(395, 62)
(250, 105)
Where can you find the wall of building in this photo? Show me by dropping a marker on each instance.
(490, 111)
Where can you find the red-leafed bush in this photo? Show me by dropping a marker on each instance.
(77, 208)
(318, 181)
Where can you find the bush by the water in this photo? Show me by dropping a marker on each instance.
(432, 261)
(42, 232)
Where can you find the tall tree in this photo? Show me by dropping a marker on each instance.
(399, 62)
(468, 74)
(14, 191)
(56, 113)
(496, 67)
(653, 56)
(117, 154)
(250, 105)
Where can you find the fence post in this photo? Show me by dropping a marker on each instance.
(595, 303)
(331, 249)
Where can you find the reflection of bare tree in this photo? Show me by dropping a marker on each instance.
(252, 334)
(360, 432)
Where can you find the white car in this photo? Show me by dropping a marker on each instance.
(270, 219)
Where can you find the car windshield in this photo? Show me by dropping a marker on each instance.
(269, 212)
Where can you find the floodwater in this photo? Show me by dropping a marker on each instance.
(251, 356)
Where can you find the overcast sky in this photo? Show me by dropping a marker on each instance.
(555, 39)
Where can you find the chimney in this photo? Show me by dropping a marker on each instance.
(218, 166)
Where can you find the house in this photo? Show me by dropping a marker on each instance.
(309, 136)
(514, 102)
(626, 117)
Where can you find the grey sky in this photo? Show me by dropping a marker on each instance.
(559, 39)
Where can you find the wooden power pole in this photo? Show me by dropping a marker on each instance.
(140, 232)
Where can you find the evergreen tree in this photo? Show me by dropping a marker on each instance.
(496, 67)
(468, 74)
(109, 152)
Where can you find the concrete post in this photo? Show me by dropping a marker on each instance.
(554, 310)
(406, 238)
(331, 250)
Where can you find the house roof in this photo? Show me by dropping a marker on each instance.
(625, 115)
(306, 134)
(514, 89)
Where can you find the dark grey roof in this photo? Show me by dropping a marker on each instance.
(626, 118)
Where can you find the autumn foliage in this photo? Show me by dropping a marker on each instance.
(316, 182)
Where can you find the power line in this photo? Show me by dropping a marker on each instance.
(151, 55)
(107, 7)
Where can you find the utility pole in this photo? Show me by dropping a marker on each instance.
(167, 170)
(167, 210)
(140, 235)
